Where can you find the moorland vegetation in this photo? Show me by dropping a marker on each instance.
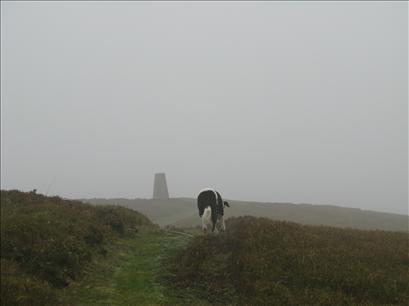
(258, 261)
(47, 242)
(48, 245)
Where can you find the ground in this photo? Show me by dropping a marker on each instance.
(130, 274)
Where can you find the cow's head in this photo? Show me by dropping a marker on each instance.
(226, 204)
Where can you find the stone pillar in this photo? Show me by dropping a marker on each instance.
(160, 188)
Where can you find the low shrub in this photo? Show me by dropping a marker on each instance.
(51, 240)
(258, 261)
(19, 288)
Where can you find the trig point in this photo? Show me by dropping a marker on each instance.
(160, 188)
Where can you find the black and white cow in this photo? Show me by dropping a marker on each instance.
(211, 209)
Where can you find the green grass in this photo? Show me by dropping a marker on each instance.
(132, 274)
(62, 252)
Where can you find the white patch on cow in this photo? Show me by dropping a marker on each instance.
(209, 189)
(207, 219)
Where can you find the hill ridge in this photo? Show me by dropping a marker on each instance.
(182, 212)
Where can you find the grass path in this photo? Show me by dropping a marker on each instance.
(129, 275)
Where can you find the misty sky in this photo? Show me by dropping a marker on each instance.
(302, 102)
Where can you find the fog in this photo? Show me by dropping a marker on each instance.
(303, 102)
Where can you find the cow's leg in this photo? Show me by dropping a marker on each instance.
(213, 226)
(204, 225)
(221, 227)
(223, 224)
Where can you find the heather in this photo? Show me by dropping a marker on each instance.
(47, 242)
(258, 261)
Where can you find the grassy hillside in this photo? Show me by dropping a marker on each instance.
(182, 212)
(263, 262)
(60, 252)
(131, 275)
(46, 243)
